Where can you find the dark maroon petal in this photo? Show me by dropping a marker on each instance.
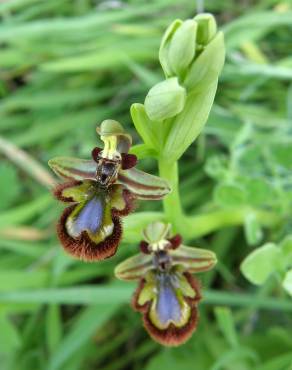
(128, 161)
(130, 204)
(83, 247)
(95, 154)
(172, 335)
(175, 241)
(144, 247)
(58, 190)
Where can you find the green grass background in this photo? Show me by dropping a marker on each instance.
(65, 65)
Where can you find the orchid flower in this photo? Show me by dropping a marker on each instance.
(167, 294)
(99, 192)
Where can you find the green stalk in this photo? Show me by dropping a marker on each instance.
(202, 224)
(171, 203)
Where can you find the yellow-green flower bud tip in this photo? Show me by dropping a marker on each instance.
(207, 28)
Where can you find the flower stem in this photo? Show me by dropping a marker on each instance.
(171, 203)
(202, 224)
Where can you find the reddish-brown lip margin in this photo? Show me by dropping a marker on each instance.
(130, 204)
(83, 247)
(58, 190)
(172, 336)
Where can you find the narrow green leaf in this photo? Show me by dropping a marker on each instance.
(9, 337)
(53, 327)
(226, 325)
(88, 324)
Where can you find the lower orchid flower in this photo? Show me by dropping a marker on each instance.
(167, 294)
(99, 192)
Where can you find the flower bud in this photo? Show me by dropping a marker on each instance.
(178, 47)
(165, 100)
(164, 46)
(207, 28)
(182, 47)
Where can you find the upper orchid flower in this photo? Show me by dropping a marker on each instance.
(100, 191)
(167, 294)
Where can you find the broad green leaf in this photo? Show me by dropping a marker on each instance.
(217, 167)
(229, 195)
(259, 191)
(287, 282)
(252, 229)
(286, 247)
(261, 263)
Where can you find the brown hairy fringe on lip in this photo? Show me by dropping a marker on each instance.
(83, 247)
